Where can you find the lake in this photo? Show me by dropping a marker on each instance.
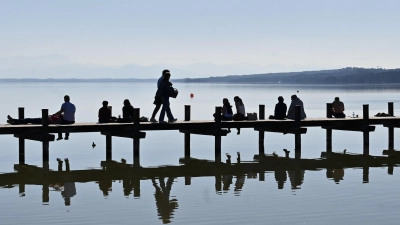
(345, 198)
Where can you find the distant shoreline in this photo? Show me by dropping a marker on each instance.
(344, 76)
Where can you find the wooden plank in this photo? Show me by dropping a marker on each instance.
(34, 137)
(212, 132)
(345, 128)
(284, 130)
(123, 134)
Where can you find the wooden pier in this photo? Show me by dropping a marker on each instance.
(217, 128)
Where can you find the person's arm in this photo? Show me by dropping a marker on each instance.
(60, 112)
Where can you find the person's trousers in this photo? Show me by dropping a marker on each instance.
(28, 120)
(165, 109)
(65, 122)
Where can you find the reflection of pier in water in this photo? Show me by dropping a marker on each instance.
(226, 174)
(285, 169)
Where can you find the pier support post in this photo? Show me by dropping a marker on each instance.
(297, 135)
(390, 129)
(187, 135)
(109, 143)
(136, 139)
(108, 147)
(261, 134)
(136, 187)
(21, 144)
(261, 111)
(218, 134)
(366, 132)
(328, 131)
(45, 134)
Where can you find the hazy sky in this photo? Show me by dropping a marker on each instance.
(361, 33)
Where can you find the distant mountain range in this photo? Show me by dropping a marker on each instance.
(61, 67)
(54, 67)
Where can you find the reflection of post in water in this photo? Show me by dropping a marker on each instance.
(365, 174)
(280, 177)
(165, 206)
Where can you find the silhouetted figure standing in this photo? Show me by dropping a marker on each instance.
(338, 108)
(157, 99)
(165, 206)
(67, 112)
(165, 91)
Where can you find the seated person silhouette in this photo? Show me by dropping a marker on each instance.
(280, 110)
(338, 108)
(105, 113)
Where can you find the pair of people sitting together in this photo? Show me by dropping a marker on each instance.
(280, 109)
(105, 113)
(227, 113)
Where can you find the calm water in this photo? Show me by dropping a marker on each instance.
(244, 198)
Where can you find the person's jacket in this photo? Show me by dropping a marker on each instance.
(280, 111)
(165, 89)
(291, 111)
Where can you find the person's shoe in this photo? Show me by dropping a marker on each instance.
(153, 120)
(173, 120)
(59, 138)
(11, 122)
(162, 122)
(66, 138)
(9, 117)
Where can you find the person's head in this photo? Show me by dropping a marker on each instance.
(105, 103)
(165, 71)
(66, 98)
(280, 99)
(293, 97)
(225, 101)
(127, 102)
(167, 75)
(238, 99)
(336, 98)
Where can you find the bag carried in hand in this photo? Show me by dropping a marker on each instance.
(252, 116)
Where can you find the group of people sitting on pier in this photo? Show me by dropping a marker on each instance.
(66, 115)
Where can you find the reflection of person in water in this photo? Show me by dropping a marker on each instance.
(68, 188)
(69, 192)
(165, 207)
(105, 186)
(227, 181)
(239, 184)
(337, 175)
(296, 178)
(280, 177)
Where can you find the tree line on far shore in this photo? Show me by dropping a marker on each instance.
(349, 75)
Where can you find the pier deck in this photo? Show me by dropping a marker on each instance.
(198, 124)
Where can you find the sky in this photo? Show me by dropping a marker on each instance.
(340, 33)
